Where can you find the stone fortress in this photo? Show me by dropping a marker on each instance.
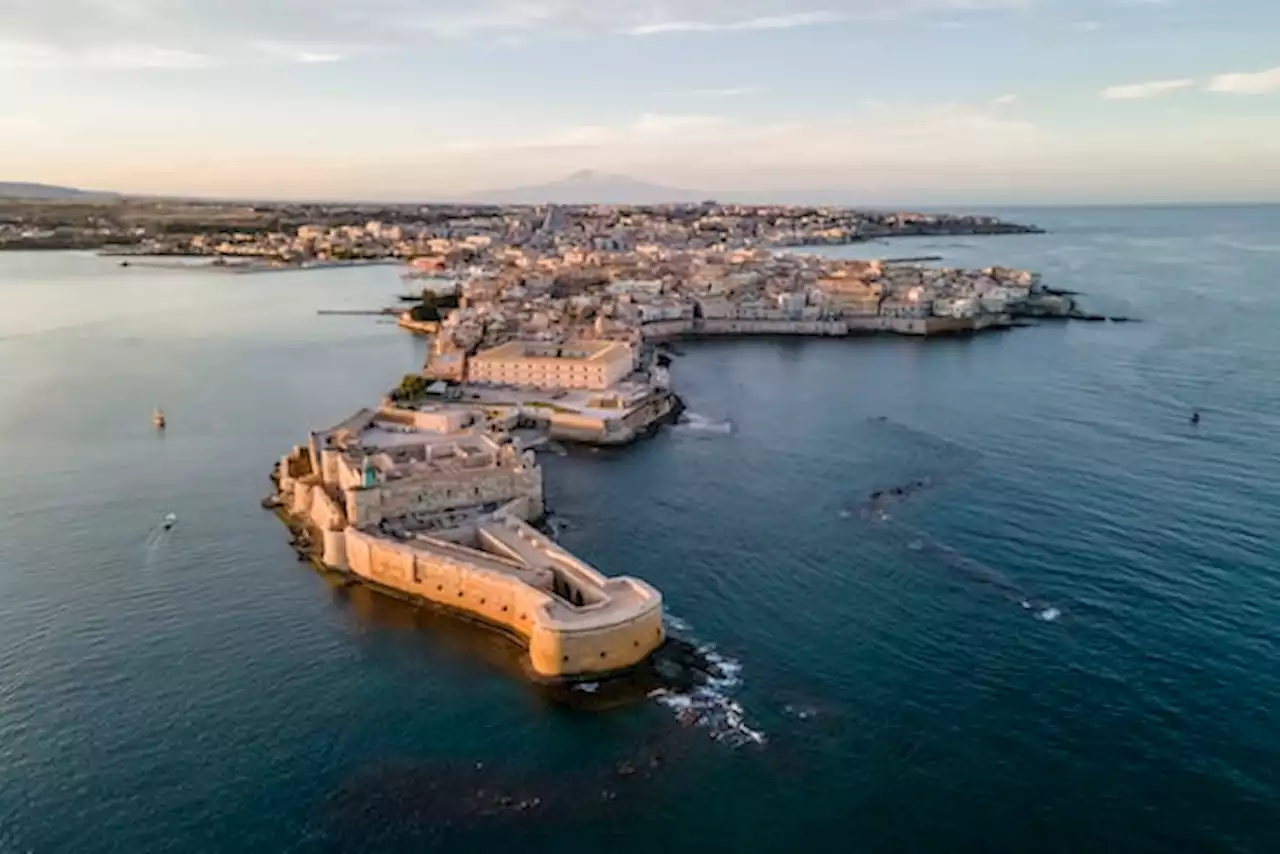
(434, 504)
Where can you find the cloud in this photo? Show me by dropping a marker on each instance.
(65, 32)
(1086, 26)
(1004, 100)
(1256, 83)
(107, 57)
(644, 132)
(1151, 89)
(892, 133)
(770, 22)
(304, 54)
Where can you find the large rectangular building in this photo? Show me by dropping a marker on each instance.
(594, 365)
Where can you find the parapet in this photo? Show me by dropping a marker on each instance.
(575, 621)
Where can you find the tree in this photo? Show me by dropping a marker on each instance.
(412, 387)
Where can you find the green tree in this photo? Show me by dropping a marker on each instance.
(412, 387)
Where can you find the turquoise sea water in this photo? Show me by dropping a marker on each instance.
(1065, 641)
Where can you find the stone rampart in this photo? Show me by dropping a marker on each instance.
(564, 641)
(440, 492)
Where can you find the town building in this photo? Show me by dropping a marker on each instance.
(594, 365)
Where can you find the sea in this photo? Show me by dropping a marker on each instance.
(985, 594)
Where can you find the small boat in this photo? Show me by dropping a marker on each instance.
(170, 520)
(158, 419)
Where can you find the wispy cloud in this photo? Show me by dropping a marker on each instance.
(644, 132)
(304, 54)
(1150, 89)
(769, 22)
(1004, 100)
(106, 57)
(894, 128)
(58, 33)
(1255, 83)
(726, 92)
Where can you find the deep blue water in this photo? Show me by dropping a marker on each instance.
(203, 691)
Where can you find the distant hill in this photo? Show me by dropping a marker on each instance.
(20, 190)
(587, 187)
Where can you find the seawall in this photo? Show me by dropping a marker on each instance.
(852, 325)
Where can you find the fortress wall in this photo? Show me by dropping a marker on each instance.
(947, 325)
(563, 652)
(574, 421)
(335, 549)
(412, 495)
(834, 328)
(913, 325)
(301, 506)
(494, 597)
(293, 466)
(330, 465)
(556, 648)
(666, 328)
(325, 513)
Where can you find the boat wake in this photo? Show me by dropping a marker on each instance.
(157, 537)
(695, 423)
(710, 704)
(981, 573)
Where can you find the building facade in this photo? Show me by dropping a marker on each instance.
(594, 365)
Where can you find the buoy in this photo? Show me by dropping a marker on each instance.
(158, 418)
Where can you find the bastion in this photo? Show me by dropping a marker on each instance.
(434, 504)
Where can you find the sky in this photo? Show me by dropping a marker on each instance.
(924, 101)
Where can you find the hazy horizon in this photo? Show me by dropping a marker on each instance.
(937, 102)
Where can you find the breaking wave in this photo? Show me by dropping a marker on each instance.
(710, 704)
(695, 423)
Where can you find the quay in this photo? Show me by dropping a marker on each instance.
(417, 327)
(435, 504)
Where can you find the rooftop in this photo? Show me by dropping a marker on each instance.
(587, 351)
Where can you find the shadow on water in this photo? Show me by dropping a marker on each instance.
(683, 674)
(450, 804)
(461, 805)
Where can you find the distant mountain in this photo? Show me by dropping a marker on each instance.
(20, 190)
(587, 187)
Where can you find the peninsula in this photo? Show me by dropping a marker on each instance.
(552, 328)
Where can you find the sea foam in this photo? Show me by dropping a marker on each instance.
(711, 704)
